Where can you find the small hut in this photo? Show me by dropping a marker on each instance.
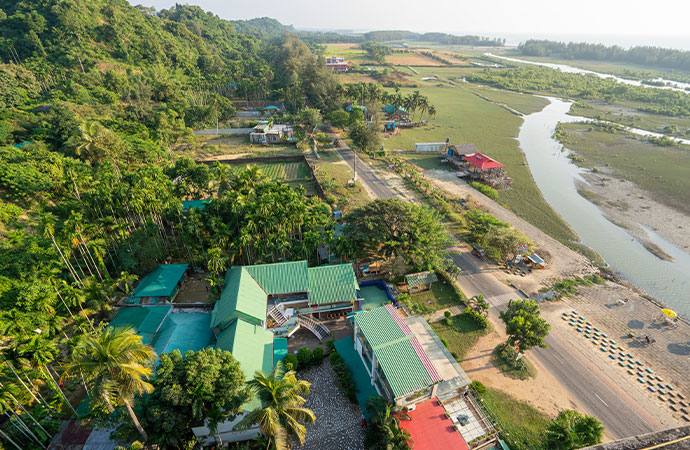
(418, 282)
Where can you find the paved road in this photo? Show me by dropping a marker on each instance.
(379, 188)
(615, 414)
(213, 131)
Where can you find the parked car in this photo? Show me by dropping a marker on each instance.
(478, 251)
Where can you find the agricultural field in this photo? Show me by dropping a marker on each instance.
(412, 58)
(524, 103)
(236, 147)
(660, 170)
(467, 119)
(350, 51)
(294, 173)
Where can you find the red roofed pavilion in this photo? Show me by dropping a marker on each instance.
(482, 162)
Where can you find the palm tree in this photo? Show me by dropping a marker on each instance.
(280, 417)
(387, 425)
(116, 364)
(8, 403)
(217, 260)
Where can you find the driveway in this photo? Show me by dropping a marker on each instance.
(214, 131)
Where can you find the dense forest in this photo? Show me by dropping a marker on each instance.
(94, 97)
(644, 56)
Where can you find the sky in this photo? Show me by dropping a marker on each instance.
(630, 22)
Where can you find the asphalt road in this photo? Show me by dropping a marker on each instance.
(600, 400)
(379, 188)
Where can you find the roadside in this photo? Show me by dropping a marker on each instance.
(562, 261)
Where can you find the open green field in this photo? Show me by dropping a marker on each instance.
(350, 51)
(524, 103)
(626, 113)
(660, 170)
(333, 174)
(425, 162)
(462, 334)
(467, 119)
(235, 146)
(524, 425)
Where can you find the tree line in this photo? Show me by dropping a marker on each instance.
(642, 55)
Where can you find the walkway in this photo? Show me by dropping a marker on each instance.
(360, 376)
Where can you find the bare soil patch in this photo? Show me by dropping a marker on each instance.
(194, 290)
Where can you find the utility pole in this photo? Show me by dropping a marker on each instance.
(354, 163)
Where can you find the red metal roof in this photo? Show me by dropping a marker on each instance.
(431, 429)
(482, 161)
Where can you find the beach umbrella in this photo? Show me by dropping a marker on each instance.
(669, 312)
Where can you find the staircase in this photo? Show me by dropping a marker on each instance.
(313, 325)
(277, 313)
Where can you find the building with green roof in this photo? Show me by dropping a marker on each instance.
(251, 291)
(183, 332)
(161, 285)
(146, 320)
(252, 346)
(404, 366)
(420, 281)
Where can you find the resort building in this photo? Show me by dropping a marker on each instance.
(268, 133)
(406, 362)
(160, 286)
(337, 63)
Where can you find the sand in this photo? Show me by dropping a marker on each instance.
(628, 206)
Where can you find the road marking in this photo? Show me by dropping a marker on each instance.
(602, 400)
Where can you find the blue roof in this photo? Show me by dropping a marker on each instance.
(199, 204)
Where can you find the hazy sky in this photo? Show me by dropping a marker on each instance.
(660, 20)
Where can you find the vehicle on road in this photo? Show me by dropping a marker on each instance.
(478, 252)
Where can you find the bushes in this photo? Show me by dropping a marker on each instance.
(478, 318)
(317, 356)
(484, 189)
(478, 387)
(290, 362)
(344, 379)
(304, 356)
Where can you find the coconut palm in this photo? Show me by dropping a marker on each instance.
(279, 418)
(8, 404)
(116, 364)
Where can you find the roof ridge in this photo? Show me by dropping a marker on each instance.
(398, 320)
(243, 270)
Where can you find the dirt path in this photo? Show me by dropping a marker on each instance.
(562, 261)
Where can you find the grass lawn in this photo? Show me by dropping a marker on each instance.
(440, 296)
(660, 170)
(462, 334)
(525, 103)
(523, 372)
(465, 118)
(425, 162)
(350, 51)
(237, 146)
(333, 174)
(523, 424)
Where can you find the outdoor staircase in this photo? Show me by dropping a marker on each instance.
(277, 313)
(320, 330)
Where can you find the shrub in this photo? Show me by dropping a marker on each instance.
(447, 314)
(444, 342)
(304, 356)
(290, 362)
(509, 355)
(478, 318)
(484, 189)
(478, 386)
(317, 356)
(330, 345)
(344, 379)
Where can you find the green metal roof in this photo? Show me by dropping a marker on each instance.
(378, 327)
(241, 295)
(281, 278)
(252, 346)
(332, 284)
(144, 319)
(161, 282)
(421, 278)
(402, 367)
(183, 332)
(393, 344)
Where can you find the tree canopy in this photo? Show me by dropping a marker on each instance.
(524, 325)
(572, 430)
(393, 228)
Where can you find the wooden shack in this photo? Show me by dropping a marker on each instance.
(421, 281)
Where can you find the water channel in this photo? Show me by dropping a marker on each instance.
(556, 176)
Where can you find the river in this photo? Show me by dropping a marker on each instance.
(669, 84)
(555, 175)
